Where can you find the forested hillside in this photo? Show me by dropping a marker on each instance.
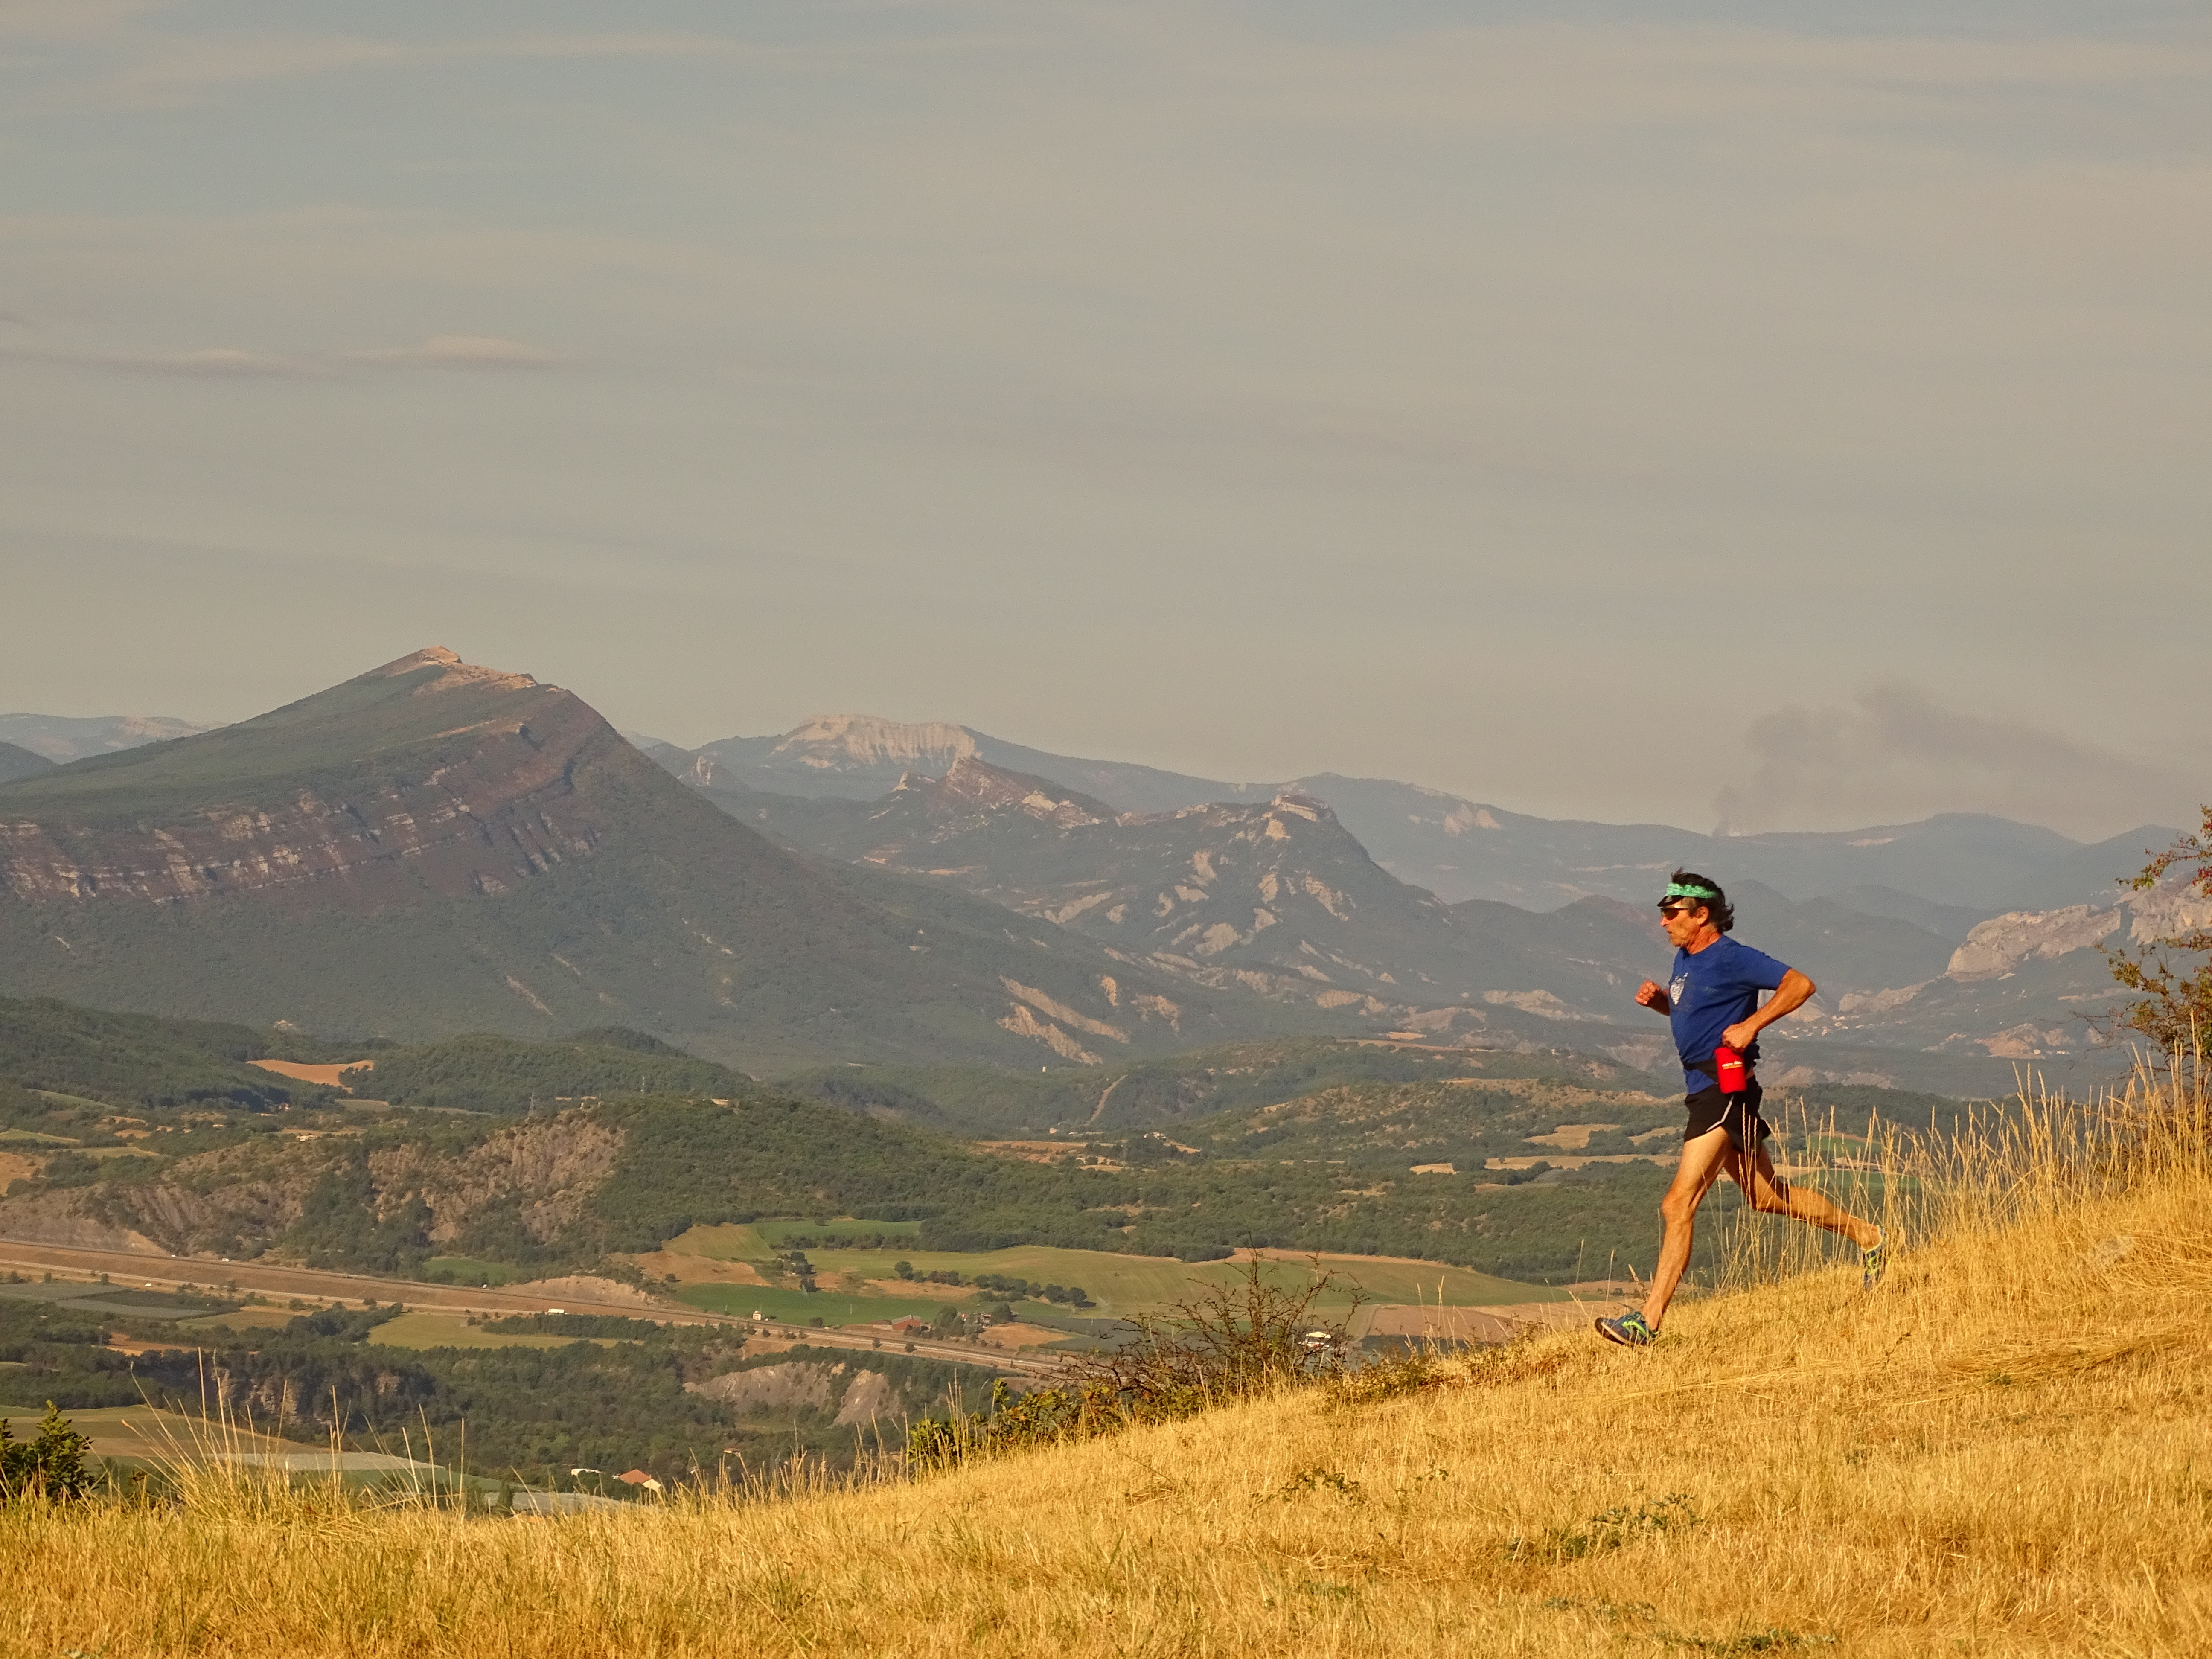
(1299, 1145)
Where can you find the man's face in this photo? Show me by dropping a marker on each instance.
(1684, 920)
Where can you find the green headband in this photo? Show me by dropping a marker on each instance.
(1677, 890)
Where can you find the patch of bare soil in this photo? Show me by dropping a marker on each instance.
(1031, 1151)
(914, 1287)
(326, 1075)
(1571, 1137)
(695, 1269)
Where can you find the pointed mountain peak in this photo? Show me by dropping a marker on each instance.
(1305, 806)
(428, 656)
(457, 672)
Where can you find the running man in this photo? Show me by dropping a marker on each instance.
(1712, 1001)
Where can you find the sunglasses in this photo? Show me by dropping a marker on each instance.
(1674, 908)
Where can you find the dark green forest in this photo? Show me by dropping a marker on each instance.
(483, 1073)
(141, 1059)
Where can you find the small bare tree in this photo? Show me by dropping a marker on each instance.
(2173, 1004)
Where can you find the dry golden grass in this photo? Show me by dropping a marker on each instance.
(2005, 1450)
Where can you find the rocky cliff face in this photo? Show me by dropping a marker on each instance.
(472, 789)
(834, 741)
(855, 757)
(548, 1170)
(1997, 946)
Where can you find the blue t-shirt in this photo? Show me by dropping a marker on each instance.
(1712, 990)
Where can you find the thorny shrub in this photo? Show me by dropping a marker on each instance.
(1249, 1336)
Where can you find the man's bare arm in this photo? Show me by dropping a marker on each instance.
(1795, 991)
(1651, 995)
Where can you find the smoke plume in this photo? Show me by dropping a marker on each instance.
(1894, 754)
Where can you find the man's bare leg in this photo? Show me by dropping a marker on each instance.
(1767, 1191)
(1703, 1160)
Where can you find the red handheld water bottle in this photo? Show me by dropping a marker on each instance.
(1730, 1070)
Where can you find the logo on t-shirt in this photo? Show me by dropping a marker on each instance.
(1681, 984)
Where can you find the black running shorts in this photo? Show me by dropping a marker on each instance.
(1738, 1113)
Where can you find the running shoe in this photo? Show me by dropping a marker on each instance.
(1629, 1330)
(1873, 1262)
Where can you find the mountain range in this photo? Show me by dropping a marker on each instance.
(61, 738)
(1944, 873)
(1287, 895)
(434, 847)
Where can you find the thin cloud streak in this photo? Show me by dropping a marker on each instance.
(1460, 78)
(184, 76)
(209, 364)
(455, 351)
(465, 352)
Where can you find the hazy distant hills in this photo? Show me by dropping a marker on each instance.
(1279, 896)
(19, 762)
(1282, 895)
(859, 757)
(1955, 863)
(434, 847)
(1943, 874)
(1275, 897)
(62, 737)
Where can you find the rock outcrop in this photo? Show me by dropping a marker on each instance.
(2001, 942)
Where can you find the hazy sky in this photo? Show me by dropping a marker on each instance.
(1791, 413)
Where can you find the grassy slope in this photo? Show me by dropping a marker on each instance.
(2002, 1452)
